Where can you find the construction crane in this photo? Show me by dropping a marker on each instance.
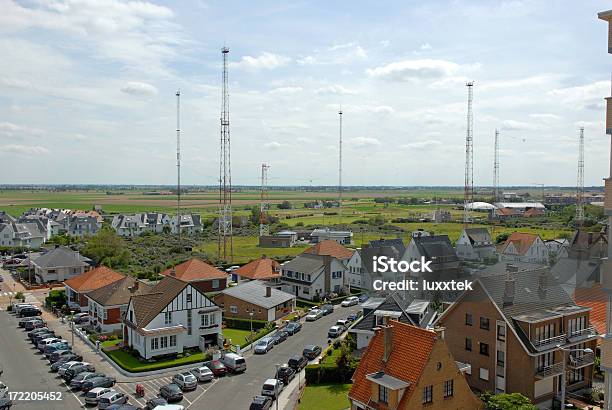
(468, 192)
(225, 242)
(264, 206)
(580, 182)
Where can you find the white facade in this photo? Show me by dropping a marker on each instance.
(342, 237)
(478, 250)
(310, 284)
(137, 224)
(355, 271)
(56, 273)
(538, 252)
(188, 320)
(190, 224)
(22, 234)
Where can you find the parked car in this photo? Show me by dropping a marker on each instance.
(22, 322)
(327, 309)
(155, 402)
(39, 330)
(125, 406)
(343, 322)
(293, 327)
(98, 382)
(234, 362)
(350, 301)
(218, 368)
(34, 324)
(297, 362)
(54, 347)
(41, 336)
(314, 314)
(5, 403)
(112, 398)
(264, 345)
(272, 388)
(80, 317)
(68, 358)
(354, 316)
(202, 373)
(58, 354)
(185, 380)
(335, 331)
(363, 298)
(261, 403)
(77, 382)
(43, 343)
(73, 371)
(3, 390)
(311, 352)
(62, 369)
(92, 396)
(285, 374)
(29, 312)
(280, 336)
(16, 307)
(171, 392)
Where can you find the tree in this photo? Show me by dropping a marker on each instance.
(285, 205)
(108, 249)
(501, 237)
(255, 214)
(506, 401)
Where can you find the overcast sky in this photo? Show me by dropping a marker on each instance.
(87, 90)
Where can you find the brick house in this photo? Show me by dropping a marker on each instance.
(201, 275)
(406, 367)
(265, 302)
(508, 329)
(107, 305)
(79, 286)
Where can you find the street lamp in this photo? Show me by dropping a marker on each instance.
(251, 313)
(563, 351)
(72, 327)
(276, 384)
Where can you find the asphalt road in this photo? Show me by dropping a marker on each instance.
(25, 370)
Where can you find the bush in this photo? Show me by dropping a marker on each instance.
(328, 373)
(244, 324)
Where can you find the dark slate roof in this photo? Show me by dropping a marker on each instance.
(397, 243)
(60, 257)
(478, 234)
(393, 303)
(119, 292)
(572, 273)
(368, 252)
(435, 246)
(305, 263)
(148, 306)
(254, 292)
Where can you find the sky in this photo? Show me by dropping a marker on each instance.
(87, 90)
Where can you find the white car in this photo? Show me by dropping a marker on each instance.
(272, 388)
(350, 301)
(66, 366)
(94, 395)
(3, 390)
(203, 374)
(185, 380)
(342, 322)
(314, 315)
(110, 398)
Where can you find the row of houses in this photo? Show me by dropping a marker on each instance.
(155, 222)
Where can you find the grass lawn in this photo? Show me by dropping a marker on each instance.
(130, 363)
(110, 343)
(246, 248)
(238, 336)
(325, 397)
(331, 359)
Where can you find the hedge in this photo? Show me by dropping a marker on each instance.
(328, 373)
(244, 324)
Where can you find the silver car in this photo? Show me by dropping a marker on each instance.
(203, 374)
(314, 314)
(264, 345)
(185, 380)
(108, 399)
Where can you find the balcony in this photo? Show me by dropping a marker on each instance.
(586, 359)
(578, 335)
(549, 371)
(550, 343)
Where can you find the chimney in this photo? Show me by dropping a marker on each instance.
(543, 281)
(440, 332)
(268, 291)
(173, 272)
(135, 286)
(509, 288)
(388, 339)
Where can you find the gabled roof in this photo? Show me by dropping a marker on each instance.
(435, 246)
(254, 292)
(93, 279)
(262, 268)
(305, 263)
(533, 212)
(397, 243)
(60, 257)
(149, 305)
(522, 241)
(368, 252)
(392, 303)
(478, 234)
(119, 292)
(410, 352)
(195, 270)
(505, 211)
(331, 248)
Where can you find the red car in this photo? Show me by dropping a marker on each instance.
(216, 367)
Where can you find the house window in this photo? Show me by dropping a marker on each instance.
(501, 332)
(154, 343)
(105, 314)
(468, 319)
(501, 358)
(189, 322)
(468, 344)
(173, 341)
(215, 283)
(484, 323)
(167, 318)
(428, 394)
(213, 319)
(188, 297)
(484, 374)
(164, 342)
(484, 349)
(448, 388)
(234, 309)
(131, 316)
(383, 394)
(204, 320)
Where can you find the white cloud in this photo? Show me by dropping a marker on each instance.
(306, 60)
(422, 145)
(376, 109)
(286, 90)
(536, 80)
(8, 129)
(265, 60)
(359, 142)
(512, 125)
(588, 96)
(415, 70)
(335, 89)
(138, 88)
(273, 145)
(16, 83)
(24, 149)
(547, 117)
(425, 46)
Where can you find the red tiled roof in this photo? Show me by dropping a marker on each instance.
(522, 241)
(505, 211)
(94, 279)
(331, 248)
(262, 268)
(595, 298)
(195, 270)
(410, 353)
(533, 212)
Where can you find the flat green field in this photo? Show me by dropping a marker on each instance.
(325, 397)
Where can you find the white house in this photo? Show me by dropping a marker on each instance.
(323, 234)
(190, 224)
(134, 225)
(172, 317)
(27, 234)
(355, 270)
(59, 264)
(525, 247)
(309, 276)
(475, 244)
(558, 247)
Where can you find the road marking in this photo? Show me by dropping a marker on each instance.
(131, 395)
(72, 392)
(205, 390)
